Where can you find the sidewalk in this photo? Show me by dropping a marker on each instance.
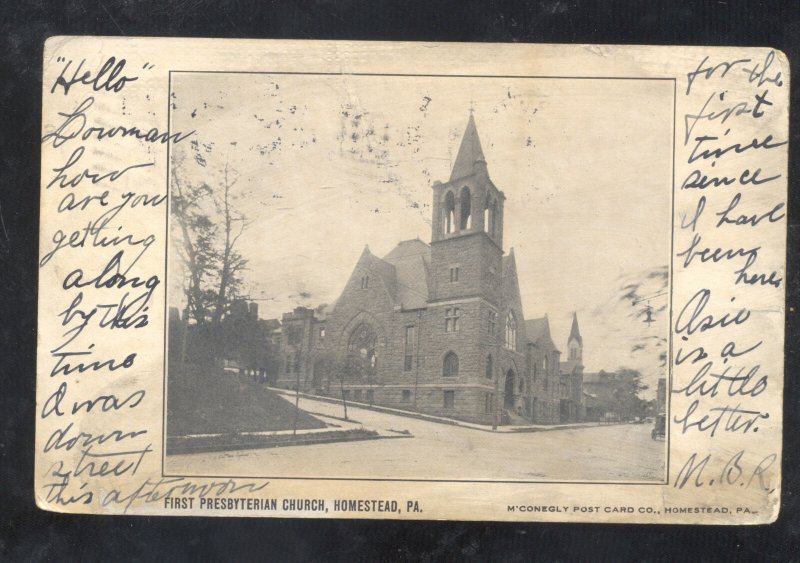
(438, 419)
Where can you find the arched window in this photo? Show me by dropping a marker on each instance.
(362, 344)
(449, 213)
(511, 331)
(493, 219)
(466, 209)
(489, 366)
(450, 366)
(489, 210)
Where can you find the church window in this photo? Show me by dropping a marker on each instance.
(466, 209)
(488, 403)
(521, 386)
(492, 327)
(357, 395)
(511, 331)
(493, 217)
(406, 395)
(449, 213)
(362, 344)
(546, 365)
(454, 274)
(451, 316)
(364, 282)
(449, 399)
(450, 365)
(322, 333)
(288, 364)
(489, 366)
(489, 217)
(409, 349)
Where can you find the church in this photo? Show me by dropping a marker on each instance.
(439, 328)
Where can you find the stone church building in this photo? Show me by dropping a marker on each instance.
(439, 328)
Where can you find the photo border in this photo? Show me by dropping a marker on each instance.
(666, 478)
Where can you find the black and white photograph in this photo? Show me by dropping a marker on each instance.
(419, 277)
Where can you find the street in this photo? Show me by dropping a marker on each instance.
(445, 452)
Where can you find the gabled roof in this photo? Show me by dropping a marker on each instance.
(410, 259)
(469, 152)
(536, 329)
(380, 267)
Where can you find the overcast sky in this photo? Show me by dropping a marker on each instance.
(328, 164)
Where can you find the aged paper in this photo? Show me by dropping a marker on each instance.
(412, 281)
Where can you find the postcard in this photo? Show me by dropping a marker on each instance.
(330, 279)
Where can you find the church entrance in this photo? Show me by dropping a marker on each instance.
(508, 398)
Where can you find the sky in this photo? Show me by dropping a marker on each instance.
(327, 164)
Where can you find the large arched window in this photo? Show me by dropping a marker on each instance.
(511, 331)
(489, 367)
(449, 213)
(362, 344)
(466, 209)
(450, 365)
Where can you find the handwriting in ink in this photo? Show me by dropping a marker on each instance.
(736, 419)
(766, 143)
(707, 72)
(75, 122)
(740, 108)
(109, 77)
(733, 472)
(63, 181)
(707, 382)
(698, 180)
(693, 318)
(155, 491)
(772, 216)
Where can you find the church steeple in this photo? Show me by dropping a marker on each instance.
(468, 202)
(470, 152)
(575, 341)
(575, 331)
(467, 226)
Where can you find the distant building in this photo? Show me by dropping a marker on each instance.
(439, 328)
(599, 395)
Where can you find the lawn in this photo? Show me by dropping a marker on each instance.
(203, 400)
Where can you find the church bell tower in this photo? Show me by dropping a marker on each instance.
(467, 226)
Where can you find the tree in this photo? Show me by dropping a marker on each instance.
(231, 263)
(627, 385)
(209, 228)
(195, 238)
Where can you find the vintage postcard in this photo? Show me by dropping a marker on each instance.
(412, 281)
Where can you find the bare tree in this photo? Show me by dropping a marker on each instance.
(231, 262)
(209, 229)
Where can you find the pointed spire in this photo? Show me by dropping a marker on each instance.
(575, 331)
(469, 153)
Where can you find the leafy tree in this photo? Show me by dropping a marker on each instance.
(627, 386)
